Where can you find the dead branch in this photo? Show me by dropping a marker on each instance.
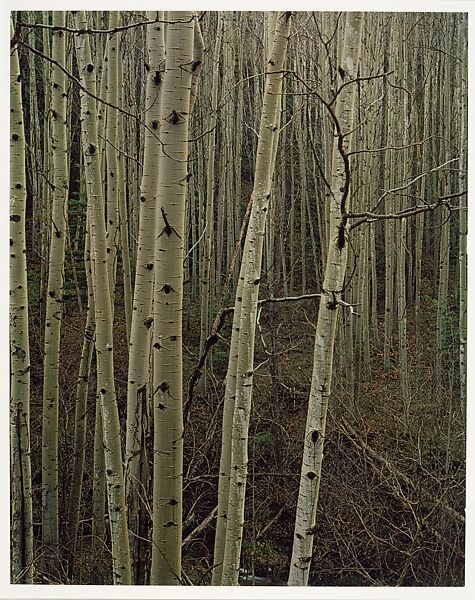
(358, 441)
(21, 24)
(201, 527)
(369, 217)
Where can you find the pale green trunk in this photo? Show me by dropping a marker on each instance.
(210, 190)
(80, 417)
(111, 143)
(168, 303)
(138, 392)
(462, 253)
(54, 301)
(103, 317)
(327, 319)
(21, 491)
(250, 277)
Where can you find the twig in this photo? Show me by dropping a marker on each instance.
(203, 525)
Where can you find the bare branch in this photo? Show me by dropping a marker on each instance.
(406, 185)
(93, 31)
(357, 80)
(368, 217)
(201, 527)
(389, 148)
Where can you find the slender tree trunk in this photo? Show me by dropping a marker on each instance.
(111, 144)
(236, 471)
(210, 187)
(138, 392)
(81, 412)
(21, 490)
(168, 303)
(54, 301)
(98, 502)
(123, 213)
(328, 312)
(103, 318)
(462, 254)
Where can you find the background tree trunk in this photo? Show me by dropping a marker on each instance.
(328, 310)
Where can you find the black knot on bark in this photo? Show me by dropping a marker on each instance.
(175, 117)
(164, 387)
(170, 524)
(341, 237)
(311, 475)
(90, 68)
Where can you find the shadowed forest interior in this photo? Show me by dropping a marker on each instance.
(238, 298)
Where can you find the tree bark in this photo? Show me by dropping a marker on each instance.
(328, 312)
(138, 390)
(167, 396)
(21, 490)
(234, 473)
(54, 301)
(103, 317)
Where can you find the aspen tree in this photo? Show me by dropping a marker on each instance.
(462, 251)
(80, 417)
(123, 212)
(21, 485)
(98, 501)
(167, 395)
(402, 232)
(54, 300)
(111, 144)
(225, 458)
(444, 244)
(44, 139)
(389, 225)
(103, 317)
(210, 190)
(328, 310)
(32, 138)
(140, 337)
(243, 336)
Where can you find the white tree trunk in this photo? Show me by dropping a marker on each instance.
(21, 491)
(167, 395)
(327, 315)
(239, 394)
(103, 316)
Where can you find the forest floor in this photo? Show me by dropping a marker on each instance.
(389, 469)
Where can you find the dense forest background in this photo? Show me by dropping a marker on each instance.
(183, 189)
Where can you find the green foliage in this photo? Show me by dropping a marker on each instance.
(263, 439)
